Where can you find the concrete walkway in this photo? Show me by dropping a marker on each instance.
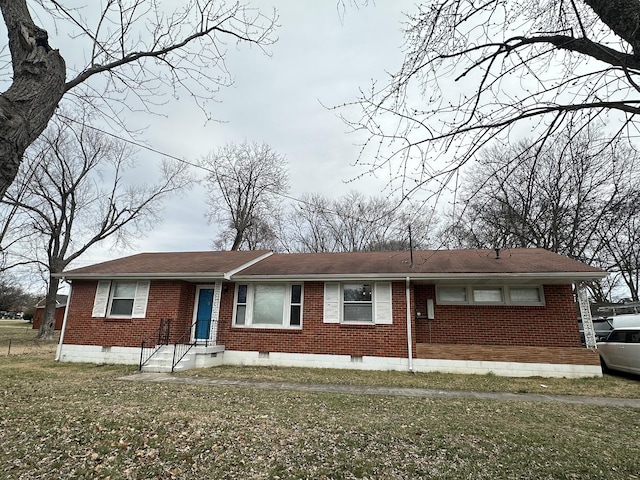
(404, 392)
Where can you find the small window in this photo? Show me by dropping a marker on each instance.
(357, 303)
(124, 294)
(452, 295)
(241, 308)
(487, 295)
(296, 305)
(525, 295)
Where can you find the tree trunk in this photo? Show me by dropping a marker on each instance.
(49, 315)
(37, 88)
(237, 241)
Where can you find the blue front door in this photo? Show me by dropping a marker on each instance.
(203, 315)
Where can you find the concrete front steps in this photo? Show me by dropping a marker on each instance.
(198, 356)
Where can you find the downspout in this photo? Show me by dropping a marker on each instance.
(64, 321)
(409, 337)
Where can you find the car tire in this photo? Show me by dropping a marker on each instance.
(603, 364)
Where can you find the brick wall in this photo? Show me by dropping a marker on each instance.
(167, 299)
(59, 316)
(519, 354)
(317, 337)
(552, 325)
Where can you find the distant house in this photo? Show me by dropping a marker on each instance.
(61, 306)
(467, 311)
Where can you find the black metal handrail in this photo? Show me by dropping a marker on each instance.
(154, 341)
(182, 347)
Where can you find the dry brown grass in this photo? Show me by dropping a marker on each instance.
(61, 421)
(19, 338)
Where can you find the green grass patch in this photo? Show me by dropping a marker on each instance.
(62, 421)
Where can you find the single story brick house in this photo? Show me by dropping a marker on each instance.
(509, 312)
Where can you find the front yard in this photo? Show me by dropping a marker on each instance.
(81, 421)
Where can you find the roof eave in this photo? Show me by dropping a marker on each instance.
(142, 276)
(568, 277)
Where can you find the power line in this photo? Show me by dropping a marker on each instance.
(376, 221)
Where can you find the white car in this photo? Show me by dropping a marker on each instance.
(621, 350)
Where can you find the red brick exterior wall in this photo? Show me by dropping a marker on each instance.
(317, 337)
(552, 325)
(59, 316)
(518, 354)
(167, 299)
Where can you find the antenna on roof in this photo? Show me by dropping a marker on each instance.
(410, 246)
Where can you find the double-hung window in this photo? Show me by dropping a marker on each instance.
(121, 299)
(357, 302)
(269, 305)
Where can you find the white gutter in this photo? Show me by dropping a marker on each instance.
(409, 337)
(64, 321)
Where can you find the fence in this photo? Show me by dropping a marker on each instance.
(22, 340)
(11, 347)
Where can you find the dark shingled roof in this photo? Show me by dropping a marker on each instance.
(171, 263)
(426, 263)
(516, 261)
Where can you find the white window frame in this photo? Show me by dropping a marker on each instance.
(286, 310)
(381, 303)
(452, 302)
(505, 290)
(487, 289)
(369, 303)
(541, 299)
(103, 300)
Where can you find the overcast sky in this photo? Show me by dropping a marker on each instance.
(320, 59)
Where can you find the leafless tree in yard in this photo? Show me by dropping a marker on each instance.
(477, 72)
(73, 192)
(579, 197)
(623, 246)
(246, 183)
(13, 231)
(138, 53)
(356, 223)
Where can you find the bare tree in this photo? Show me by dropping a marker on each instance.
(13, 230)
(246, 183)
(77, 194)
(623, 247)
(355, 223)
(136, 51)
(13, 297)
(477, 71)
(577, 197)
